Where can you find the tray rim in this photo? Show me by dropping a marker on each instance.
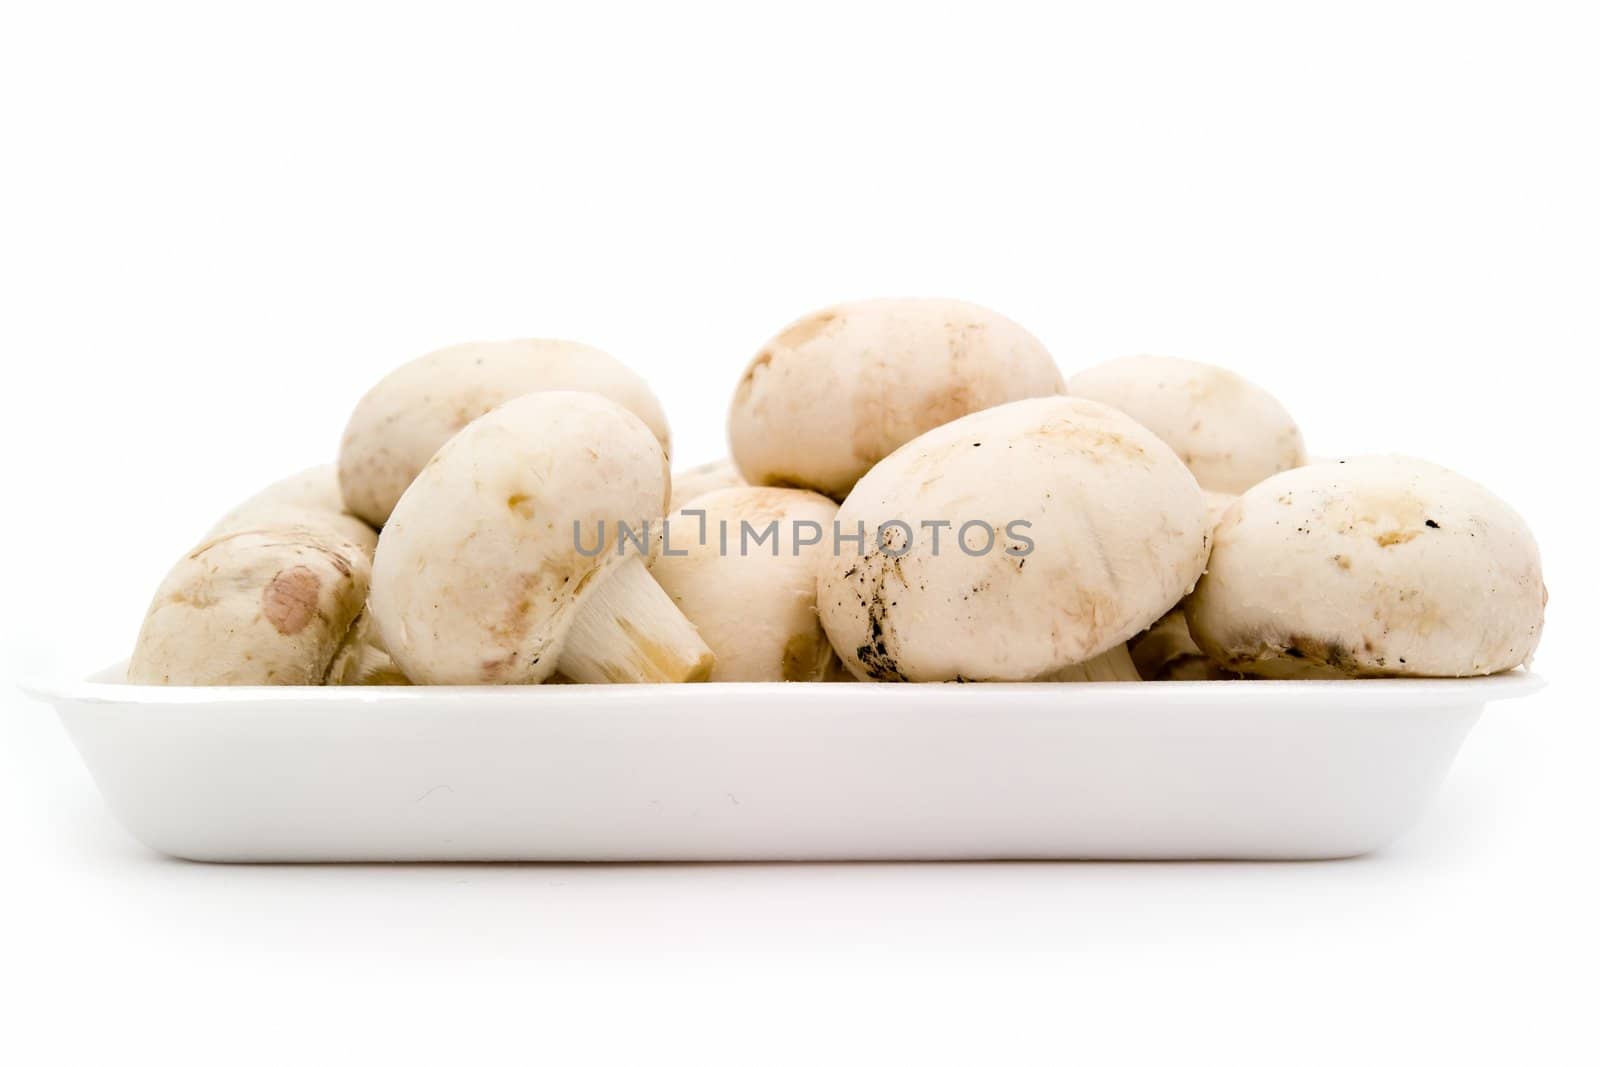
(1384, 692)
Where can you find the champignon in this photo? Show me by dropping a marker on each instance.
(1009, 544)
(741, 564)
(521, 546)
(841, 388)
(275, 606)
(401, 422)
(1379, 565)
(1230, 432)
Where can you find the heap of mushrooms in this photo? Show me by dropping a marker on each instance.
(913, 493)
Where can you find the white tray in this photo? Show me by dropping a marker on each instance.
(1172, 770)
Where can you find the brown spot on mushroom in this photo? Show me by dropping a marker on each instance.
(1394, 537)
(763, 358)
(197, 594)
(493, 668)
(584, 581)
(521, 504)
(804, 656)
(1092, 441)
(1342, 561)
(1321, 653)
(666, 661)
(946, 405)
(289, 601)
(804, 330)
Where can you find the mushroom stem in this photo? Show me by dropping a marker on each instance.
(1112, 665)
(630, 631)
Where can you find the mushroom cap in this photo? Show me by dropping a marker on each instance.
(404, 419)
(841, 388)
(1379, 565)
(1117, 523)
(279, 606)
(308, 498)
(479, 571)
(1230, 432)
(706, 478)
(755, 605)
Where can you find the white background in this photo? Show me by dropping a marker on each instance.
(221, 223)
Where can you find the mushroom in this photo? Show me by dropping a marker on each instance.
(741, 564)
(521, 546)
(1230, 432)
(402, 421)
(706, 478)
(273, 606)
(841, 388)
(1010, 544)
(1166, 652)
(309, 498)
(1373, 566)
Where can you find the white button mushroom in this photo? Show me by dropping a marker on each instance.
(1381, 565)
(522, 544)
(403, 420)
(1010, 544)
(1230, 432)
(843, 387)
(280, 606)
(706, 478)
(743, 568)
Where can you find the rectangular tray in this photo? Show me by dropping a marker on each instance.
(1170, 770)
